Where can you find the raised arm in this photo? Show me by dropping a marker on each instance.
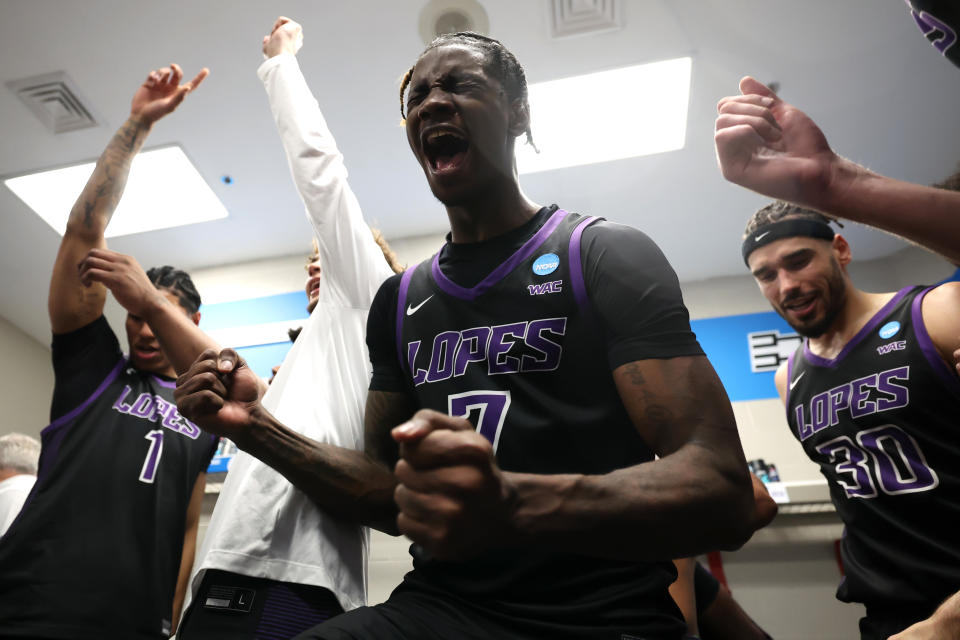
(773, 148)
(219, 393)
(180, 338)
(353, 264)
(72, 305)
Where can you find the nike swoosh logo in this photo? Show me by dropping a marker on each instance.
(759, 236)
(796, 380)
(413, 310)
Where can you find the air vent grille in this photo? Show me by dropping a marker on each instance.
(54, 99)
(584, 17)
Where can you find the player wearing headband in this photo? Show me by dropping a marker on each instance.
(872, 393)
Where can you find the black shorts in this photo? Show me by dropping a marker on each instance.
(416, 614)
(236, 607)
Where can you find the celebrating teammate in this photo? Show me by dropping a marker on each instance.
(104, 544)
(871, 394)
(300, 565)
(565, 338)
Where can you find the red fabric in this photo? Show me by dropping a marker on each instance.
(836, 553)
(715, 563)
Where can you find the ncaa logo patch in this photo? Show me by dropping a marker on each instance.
(889, 330)
(546, 264)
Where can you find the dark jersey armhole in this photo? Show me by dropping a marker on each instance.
(634, 295)
(943, 371)
(82, 359)
(382, 343)
(575, 260)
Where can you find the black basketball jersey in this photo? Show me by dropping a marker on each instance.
(522, 357)
(95, 552)
(881, 421)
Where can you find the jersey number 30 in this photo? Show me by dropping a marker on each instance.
(884, 457)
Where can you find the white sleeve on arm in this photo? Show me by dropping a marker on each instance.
(353, 265)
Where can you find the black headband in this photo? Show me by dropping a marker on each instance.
(789, 228)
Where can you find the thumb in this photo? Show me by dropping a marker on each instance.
(750, 85)
(228, 361)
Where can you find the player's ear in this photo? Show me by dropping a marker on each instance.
(195, 317)
(519, 116)
(841, 249)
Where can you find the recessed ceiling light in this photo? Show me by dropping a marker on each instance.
(164, 190)
(609, 115)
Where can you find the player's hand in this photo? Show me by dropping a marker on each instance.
(162, 92)
(771, 147)
(123, 276)
(927, 629)
(454, 500)
(765, 507)
(956, 361)
(286, 36)
(220, 394)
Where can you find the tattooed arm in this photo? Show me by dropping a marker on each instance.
(71, 304)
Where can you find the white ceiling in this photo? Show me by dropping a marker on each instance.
(859, 67)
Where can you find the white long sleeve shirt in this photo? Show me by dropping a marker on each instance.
(262, 526)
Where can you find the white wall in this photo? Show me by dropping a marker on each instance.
(26, 382)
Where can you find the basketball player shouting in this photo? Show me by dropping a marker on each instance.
(872, 394)
(564, 338)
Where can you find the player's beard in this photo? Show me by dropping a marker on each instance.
(834, 299)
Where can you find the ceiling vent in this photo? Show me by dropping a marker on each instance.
(54, 99)
(450, 16)
(584, 17)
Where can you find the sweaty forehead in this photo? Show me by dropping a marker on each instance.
(448, 58)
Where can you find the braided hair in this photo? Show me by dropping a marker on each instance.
(499, 62)
(778, 210)
(177, 282)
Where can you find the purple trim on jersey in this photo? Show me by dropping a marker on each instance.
(67, 417)
(786, 398)
(877, 318)
(576, 268)
(452, 288)
(55, 434)
(164, 383)
(941, 368)
(401, 303)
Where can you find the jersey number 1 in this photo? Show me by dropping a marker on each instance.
(149, 471)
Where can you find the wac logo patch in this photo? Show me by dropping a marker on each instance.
(546, 287)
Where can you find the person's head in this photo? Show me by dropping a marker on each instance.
(312, 284)
(178, 288)
(799, 264)
(19, 454)
(464, 103)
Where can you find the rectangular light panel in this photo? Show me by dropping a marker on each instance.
(164, 190)
(609, 115)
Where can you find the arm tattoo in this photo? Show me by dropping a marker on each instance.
(655, 413)
(100, 197)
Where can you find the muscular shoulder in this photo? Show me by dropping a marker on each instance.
(780, 380)
(941, 316)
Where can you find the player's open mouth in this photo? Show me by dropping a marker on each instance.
(801, 305)
(313, 287)
(146, 352)
(445, 150)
